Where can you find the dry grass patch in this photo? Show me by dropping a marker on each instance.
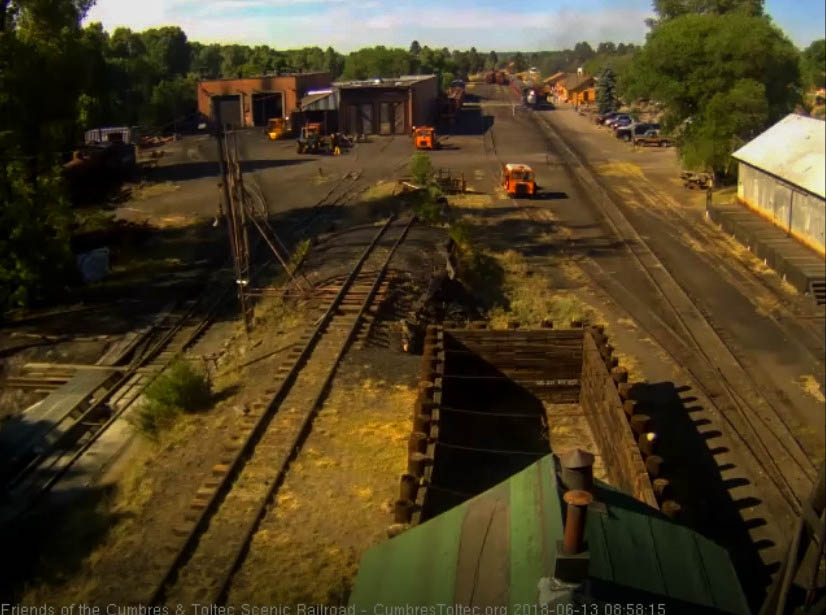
(619, 169)
(531, 298)
(811, 387)
(382, 189)
(150, 191)
(335, 501)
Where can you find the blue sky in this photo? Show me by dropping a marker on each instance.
(528, 25)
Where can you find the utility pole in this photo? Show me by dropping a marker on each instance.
(236, 220)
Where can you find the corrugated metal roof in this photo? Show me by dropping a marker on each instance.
(498, 548)
(389, 82)
(794, 150)
(321, 101)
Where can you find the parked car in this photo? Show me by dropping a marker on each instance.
(617, 118)
(603, 117)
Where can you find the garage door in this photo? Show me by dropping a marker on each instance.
(398, 118)
(265, 106)
(385, 119)
(366, 112)
(227, 110)
(351, 123)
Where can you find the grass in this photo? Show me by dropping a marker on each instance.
(811, 387)
(530, 297)
(382, 189)
(335, 501)
(181, 388)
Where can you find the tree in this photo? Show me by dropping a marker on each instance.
(39, 120)
(813, 64)
(168, 51)
(172, 100)
(607, 92)
(493, 60)
(447, 79)
(519, 62)
(415, 48)
(606, 48)
(206, 61)
(692, 60)
(671, 9)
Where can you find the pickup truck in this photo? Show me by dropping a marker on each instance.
(631, 131)
(652, 137)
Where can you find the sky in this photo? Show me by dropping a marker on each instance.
(503, 25)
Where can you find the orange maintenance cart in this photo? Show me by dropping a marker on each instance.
(424, 137)
(518, 180)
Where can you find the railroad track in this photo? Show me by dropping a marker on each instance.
(740, 400)
(180, 328)
(717, 371)
(213, 536)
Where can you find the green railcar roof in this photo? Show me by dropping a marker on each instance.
(498, 550)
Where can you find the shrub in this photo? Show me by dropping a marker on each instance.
(181, 388)
(421, 168)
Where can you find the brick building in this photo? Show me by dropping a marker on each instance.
(252, 101)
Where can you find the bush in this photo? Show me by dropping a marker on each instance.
(421, 168)
(181, 388)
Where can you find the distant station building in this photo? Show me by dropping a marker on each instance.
(387, 106)
(781, 177)
(252, 101)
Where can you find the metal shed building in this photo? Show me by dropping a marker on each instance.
(254, 100)
(387, 106)
(781, 177)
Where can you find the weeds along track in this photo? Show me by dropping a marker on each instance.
(211, 540)
(696, 344)
(173, 331)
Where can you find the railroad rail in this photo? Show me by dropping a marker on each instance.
(177, 331)
(213, 538)
(717, 371)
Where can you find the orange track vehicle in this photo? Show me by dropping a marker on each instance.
(424, 137)
(518, 180)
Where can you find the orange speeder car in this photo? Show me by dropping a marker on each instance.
(518, 180)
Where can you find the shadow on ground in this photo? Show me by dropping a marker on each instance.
(699, 486)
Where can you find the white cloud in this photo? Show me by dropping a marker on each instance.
(349, 25)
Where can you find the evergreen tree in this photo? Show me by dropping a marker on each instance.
(607, 91)
(415, 48)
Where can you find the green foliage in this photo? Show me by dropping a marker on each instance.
(692, 61)
(607, 92)
(447, 79)
(38, 121)
(671, 9)
(421, 169)
(173, 99)
(415, 48)
(372, 62)
(492, 60)
(813, 65)
(181, 388)
(520, 64)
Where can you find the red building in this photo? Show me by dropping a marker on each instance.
(252, 101)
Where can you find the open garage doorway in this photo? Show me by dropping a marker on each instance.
(228, 110)
(265, 106)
